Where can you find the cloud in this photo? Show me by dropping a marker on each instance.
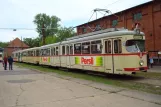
(20, 13)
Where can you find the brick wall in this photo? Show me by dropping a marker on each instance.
(14, 45)
(150, 22)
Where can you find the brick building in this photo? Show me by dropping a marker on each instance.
(14, 45)
(148, 15)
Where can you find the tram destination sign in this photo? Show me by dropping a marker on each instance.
(138, 37)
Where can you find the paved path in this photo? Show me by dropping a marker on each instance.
(27, 88)
(156, 69)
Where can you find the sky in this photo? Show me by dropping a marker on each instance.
(21, 13)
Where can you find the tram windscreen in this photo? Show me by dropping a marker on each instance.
(135, 45)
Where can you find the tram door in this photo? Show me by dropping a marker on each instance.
(19, 56)
(68, 56)
(108, 50)
(117, 56)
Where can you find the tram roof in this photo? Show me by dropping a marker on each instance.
(112, 32)
(26, 49)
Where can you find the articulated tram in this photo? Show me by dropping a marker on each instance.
(116, 51)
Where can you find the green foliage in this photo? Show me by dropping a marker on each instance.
(61, 35)
(64, 33)
(52, 30)
(51, 39)
(50, 24)
(32, 42)
(3, 44)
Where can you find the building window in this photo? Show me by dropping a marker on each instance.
(114, 23)
(84, 30)
(138, 16)
(98, 27)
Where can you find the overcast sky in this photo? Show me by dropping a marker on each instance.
(20, 13)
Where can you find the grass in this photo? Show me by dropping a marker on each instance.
(121, 81)
(152, 75)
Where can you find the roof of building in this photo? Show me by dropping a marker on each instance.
(118, 12)
(17, 43)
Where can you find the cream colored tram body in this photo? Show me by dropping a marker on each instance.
(16, 56)
(30, 55)
(116, 51)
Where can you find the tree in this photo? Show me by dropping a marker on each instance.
(46, 25)
(61, 35)
(32, 42)
(51, 39)
(64, 33)
(3, 44)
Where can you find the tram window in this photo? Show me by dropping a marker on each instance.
(71, 50)
(107, 46)
(22, 53)
(53, 51)
(48, 52)
(96, 47)
(67, 50)
(42, 52)
(86, 48)
(77, 48)
(120, 46)
(45, 52)
(26, 54)
(34, 53)
(37, 52)
(30, 53)
(117, 46)
(63, 50)
(135, 45)
(57, 51)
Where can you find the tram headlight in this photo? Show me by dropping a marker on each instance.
(141, 63)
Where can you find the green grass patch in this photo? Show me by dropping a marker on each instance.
(110, 81)
(152, 75)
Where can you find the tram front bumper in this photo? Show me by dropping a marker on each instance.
(136, 69)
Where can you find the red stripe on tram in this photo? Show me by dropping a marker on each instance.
(135, 69)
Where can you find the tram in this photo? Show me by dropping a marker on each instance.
(1, 54)
(116, 51)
